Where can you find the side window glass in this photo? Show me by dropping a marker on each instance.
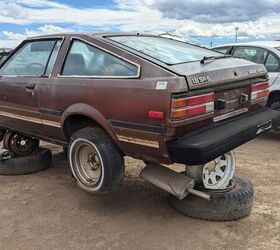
(53, 58)
(272, 64)
(86, 60)
(29, 60)
(256, 55)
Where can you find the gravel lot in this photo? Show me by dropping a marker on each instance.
(47, 211)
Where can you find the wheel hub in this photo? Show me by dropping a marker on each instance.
(23, 142)
(93, 161)
(212, 166)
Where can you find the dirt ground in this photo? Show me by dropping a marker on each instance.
(47, 211)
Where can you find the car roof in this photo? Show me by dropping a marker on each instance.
(264, 44)
(93, 34)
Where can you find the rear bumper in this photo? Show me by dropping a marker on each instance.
(207, 143)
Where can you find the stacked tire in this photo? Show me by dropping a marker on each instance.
(224, 205)
(22, 155)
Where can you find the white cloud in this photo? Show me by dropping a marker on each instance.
(137, 15)
(13, 39)
(217, 11)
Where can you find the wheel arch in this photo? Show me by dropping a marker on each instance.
(83, 115)
(274, 95)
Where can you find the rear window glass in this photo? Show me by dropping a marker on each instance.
(165, 50)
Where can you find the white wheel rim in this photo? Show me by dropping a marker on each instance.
(218, 173)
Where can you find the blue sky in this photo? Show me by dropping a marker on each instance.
(198, 21)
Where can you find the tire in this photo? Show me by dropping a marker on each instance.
(96, 162)
(12, 140)
(274, 102)
(223, 206)
(36, 162)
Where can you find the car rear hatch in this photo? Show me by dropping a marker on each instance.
(233, 84)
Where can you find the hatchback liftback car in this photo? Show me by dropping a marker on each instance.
(261, 52)
(106, 96)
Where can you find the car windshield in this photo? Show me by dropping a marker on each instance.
(165, 50)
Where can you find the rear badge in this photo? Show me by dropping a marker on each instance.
(161, 85)
(256, 71)
(201, 79)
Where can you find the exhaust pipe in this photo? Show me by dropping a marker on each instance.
(171, 181)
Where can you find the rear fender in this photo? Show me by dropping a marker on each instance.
(90, 112)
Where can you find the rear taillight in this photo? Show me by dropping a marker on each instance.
(259, 90)
(188, 107)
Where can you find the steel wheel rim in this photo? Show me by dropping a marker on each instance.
(219, 176)
(88, 164)
(21, 144)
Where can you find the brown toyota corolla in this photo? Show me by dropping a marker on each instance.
(105, 96)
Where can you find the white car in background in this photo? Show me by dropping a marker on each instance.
(263, 52)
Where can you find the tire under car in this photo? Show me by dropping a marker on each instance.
(111, 162)
(232, 204)
(39, 160)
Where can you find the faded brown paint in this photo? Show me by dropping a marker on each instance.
(128, 100)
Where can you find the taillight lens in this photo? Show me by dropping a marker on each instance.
(188, 107)
(259, 90)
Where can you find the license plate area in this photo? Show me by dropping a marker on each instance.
(231, 102)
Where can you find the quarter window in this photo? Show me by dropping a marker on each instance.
(256, 55)
(272, 64)
(32, 59)
(86, 60)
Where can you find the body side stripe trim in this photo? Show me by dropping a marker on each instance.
(138, 126)
(30, 119)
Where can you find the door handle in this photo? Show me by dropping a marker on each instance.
(30, 86)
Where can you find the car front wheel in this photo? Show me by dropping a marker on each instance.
(96, 162)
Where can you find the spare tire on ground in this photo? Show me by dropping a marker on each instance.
(227, 205)
(38, 161)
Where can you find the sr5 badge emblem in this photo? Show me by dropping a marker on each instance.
(201, 79)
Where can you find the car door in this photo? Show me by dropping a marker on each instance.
(273, 68)
(18, 86)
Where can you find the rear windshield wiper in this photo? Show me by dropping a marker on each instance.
(205, 58)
